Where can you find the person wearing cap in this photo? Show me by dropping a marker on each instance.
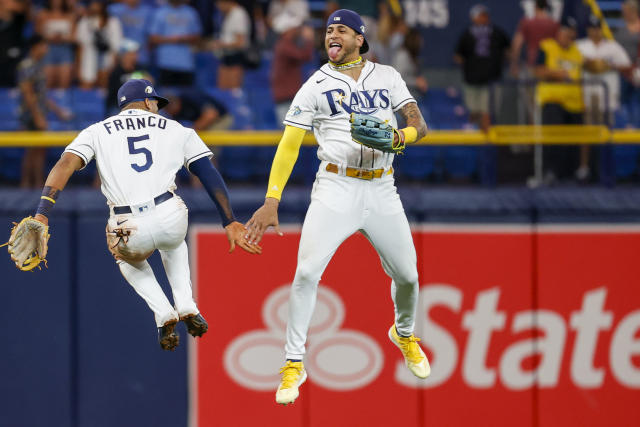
(354, 188)
(559, 95)
(481, 50)
(138, 153)
(604, 62)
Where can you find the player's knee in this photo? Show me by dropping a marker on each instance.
(406, 278)
(306, 274)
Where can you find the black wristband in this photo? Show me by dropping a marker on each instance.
(47, 200)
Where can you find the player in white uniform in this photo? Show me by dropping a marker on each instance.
(354, 189)
(138, 153)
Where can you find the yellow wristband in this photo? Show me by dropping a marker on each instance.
(410, 134)
(48, 198)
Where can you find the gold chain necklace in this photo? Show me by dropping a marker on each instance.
(346, 65)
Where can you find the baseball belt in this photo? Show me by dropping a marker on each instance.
(366, 174)
(119, 210)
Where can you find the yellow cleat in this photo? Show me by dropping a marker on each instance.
(414, 357)
(293, 375)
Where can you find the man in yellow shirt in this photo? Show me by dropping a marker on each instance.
(559, 66)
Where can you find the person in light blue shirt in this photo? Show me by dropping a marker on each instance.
(135, 19)
(174, 29)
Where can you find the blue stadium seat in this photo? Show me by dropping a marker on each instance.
(625, 158)
(88, 106)
(237, 103)
(11, 163)
(9, 109)
(206, 70)
(420, 163)
(62, 97)
(262, 108)
(461, 162)
(234, 163)
(260, 77)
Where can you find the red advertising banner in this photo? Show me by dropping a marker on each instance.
(522, 328)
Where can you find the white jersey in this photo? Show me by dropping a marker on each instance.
(138, 154)
(326, 101)
(614, 54)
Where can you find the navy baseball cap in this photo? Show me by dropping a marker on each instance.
(137, 90)
(352, 20)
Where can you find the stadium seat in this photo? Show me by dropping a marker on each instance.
(88, 106)
(236, 101)
(262, 108)
(625, 158)
(461, 162)
(206, 70)
(9, 109)
(11, 164)
(420, 163)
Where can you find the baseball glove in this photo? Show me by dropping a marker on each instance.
(28, 243)
(375, 133)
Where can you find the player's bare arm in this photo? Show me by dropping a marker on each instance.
(413, 117)
(56, 181)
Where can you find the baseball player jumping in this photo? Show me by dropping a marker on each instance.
(138, 153)
(350, 104)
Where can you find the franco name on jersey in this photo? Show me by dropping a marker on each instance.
(135, 123)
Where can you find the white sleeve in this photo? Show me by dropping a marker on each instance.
(83, 146)
(400, 95)
(194, 148)
(303, 109)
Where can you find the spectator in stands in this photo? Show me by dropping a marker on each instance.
(195, 109)
(407, 62)
(292, 50)
(390, 34)
(99, 36)
(481, 50)
(604, 61)
(56, 23)
(175, 29)
(628, 35)
(34, 107)
(126, 65)
(13, 19)
(530, 32)
(282, 13)
(560, 96)
(232, 44)
(135, 19)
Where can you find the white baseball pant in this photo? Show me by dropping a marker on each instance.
(341, 206)
(161, 227)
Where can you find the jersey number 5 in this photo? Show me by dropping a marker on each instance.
(133, 150)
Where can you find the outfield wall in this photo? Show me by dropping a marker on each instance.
(81, 346)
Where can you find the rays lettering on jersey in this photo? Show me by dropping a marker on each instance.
(363, 102)
(135, 123)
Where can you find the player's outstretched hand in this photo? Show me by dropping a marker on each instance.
(262, 219)
(236, 233)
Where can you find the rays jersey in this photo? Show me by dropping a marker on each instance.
(138, 154)
(326, 101)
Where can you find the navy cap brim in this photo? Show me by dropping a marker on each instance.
(162, 102)
(365, 46)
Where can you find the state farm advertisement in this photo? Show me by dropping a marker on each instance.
(522, 327)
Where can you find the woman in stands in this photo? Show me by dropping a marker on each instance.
(99, 36)
(56, 23)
